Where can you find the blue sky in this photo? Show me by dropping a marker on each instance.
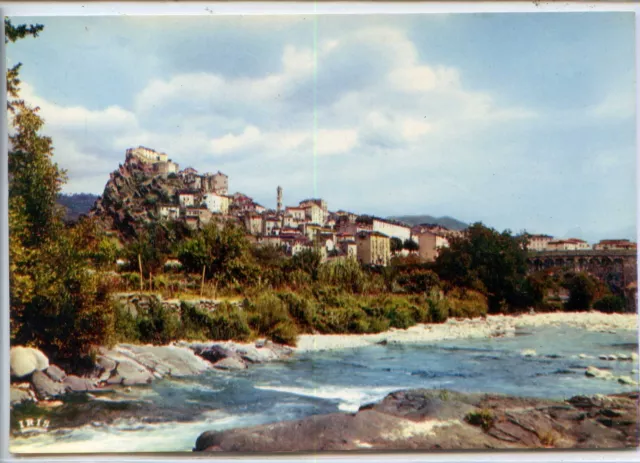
(522, 121)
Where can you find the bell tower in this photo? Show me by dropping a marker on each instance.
(279, 204)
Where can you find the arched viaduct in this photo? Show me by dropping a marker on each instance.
(617, 268)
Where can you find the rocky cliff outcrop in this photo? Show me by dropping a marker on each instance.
(131, 197)
(446, 420)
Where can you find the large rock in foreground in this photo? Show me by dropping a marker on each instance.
(426, 420)
(25, 360)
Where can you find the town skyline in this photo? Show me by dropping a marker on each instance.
(550, 152)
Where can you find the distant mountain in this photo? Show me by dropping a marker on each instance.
(449, 222)
(76, 204)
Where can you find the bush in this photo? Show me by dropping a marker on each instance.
(483, 418)
(610, 304)
(438, 307)
(467, 303)
(301, 308)
(582, 289)
(418, 280)
(159, 325)
(226, 322)
(285, 332)
(131, 281)
(126, 327)
(270, 317)
(344, 273)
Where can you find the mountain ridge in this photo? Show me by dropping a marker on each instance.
(445, 221)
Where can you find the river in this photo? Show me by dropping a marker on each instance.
(342, 380)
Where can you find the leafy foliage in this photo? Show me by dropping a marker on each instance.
(487, 261)
(610, 304)
(57, 302)
(582, 290)
(222, 251)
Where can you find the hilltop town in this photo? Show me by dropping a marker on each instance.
(150, 186)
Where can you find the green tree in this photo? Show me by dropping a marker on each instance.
(223, 251)
(396, 245)
(307, 261)
(610, 304)
(57, 303)
(488, 261)
(582, 291)
(410, 245)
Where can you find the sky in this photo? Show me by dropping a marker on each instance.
(522, 121)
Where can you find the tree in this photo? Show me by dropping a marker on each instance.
(582, 291)
(410, 245)
(57, 302)
(396, 245)
(307, 261)
(222, 251)
(488, 261)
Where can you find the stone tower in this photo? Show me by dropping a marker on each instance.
(279, 204)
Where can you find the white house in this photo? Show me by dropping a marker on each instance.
(216, 203)
(187, 199)
(168, 211)
(392, 230)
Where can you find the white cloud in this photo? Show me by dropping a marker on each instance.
(230, 143)
(616, 105)
(330, 142)
(260, 129)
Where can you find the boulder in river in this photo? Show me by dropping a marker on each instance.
(19, 394)
(46, 387)
(213, 352)
(594, 372)
(445, 420)
(129, 373)
(230, 363)
(75, 383)
(56, 373)
(25, 360)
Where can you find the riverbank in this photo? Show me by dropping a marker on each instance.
(446, 420)
(127, 365)
(118, 368)
(491, 326)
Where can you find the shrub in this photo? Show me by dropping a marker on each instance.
(285, 332)
(402, 318)
(438, 307)
(301, 308)
(344, 273)
(126, 327)
(417, 280)
(299, 279)
(467, 303)
(269, 317)
(159, 325)
(226, 322)
(582, 289)
(610, 304)
(131, 281)
(548, 438)
(483, 418)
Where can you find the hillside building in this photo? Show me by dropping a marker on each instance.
(216, 203)
(169, 211)
(606, 245)
(569, 244)
(187, 198)
(430, 242)
(147, 155)
(538, 242)
(392, 230)
(373, 248)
